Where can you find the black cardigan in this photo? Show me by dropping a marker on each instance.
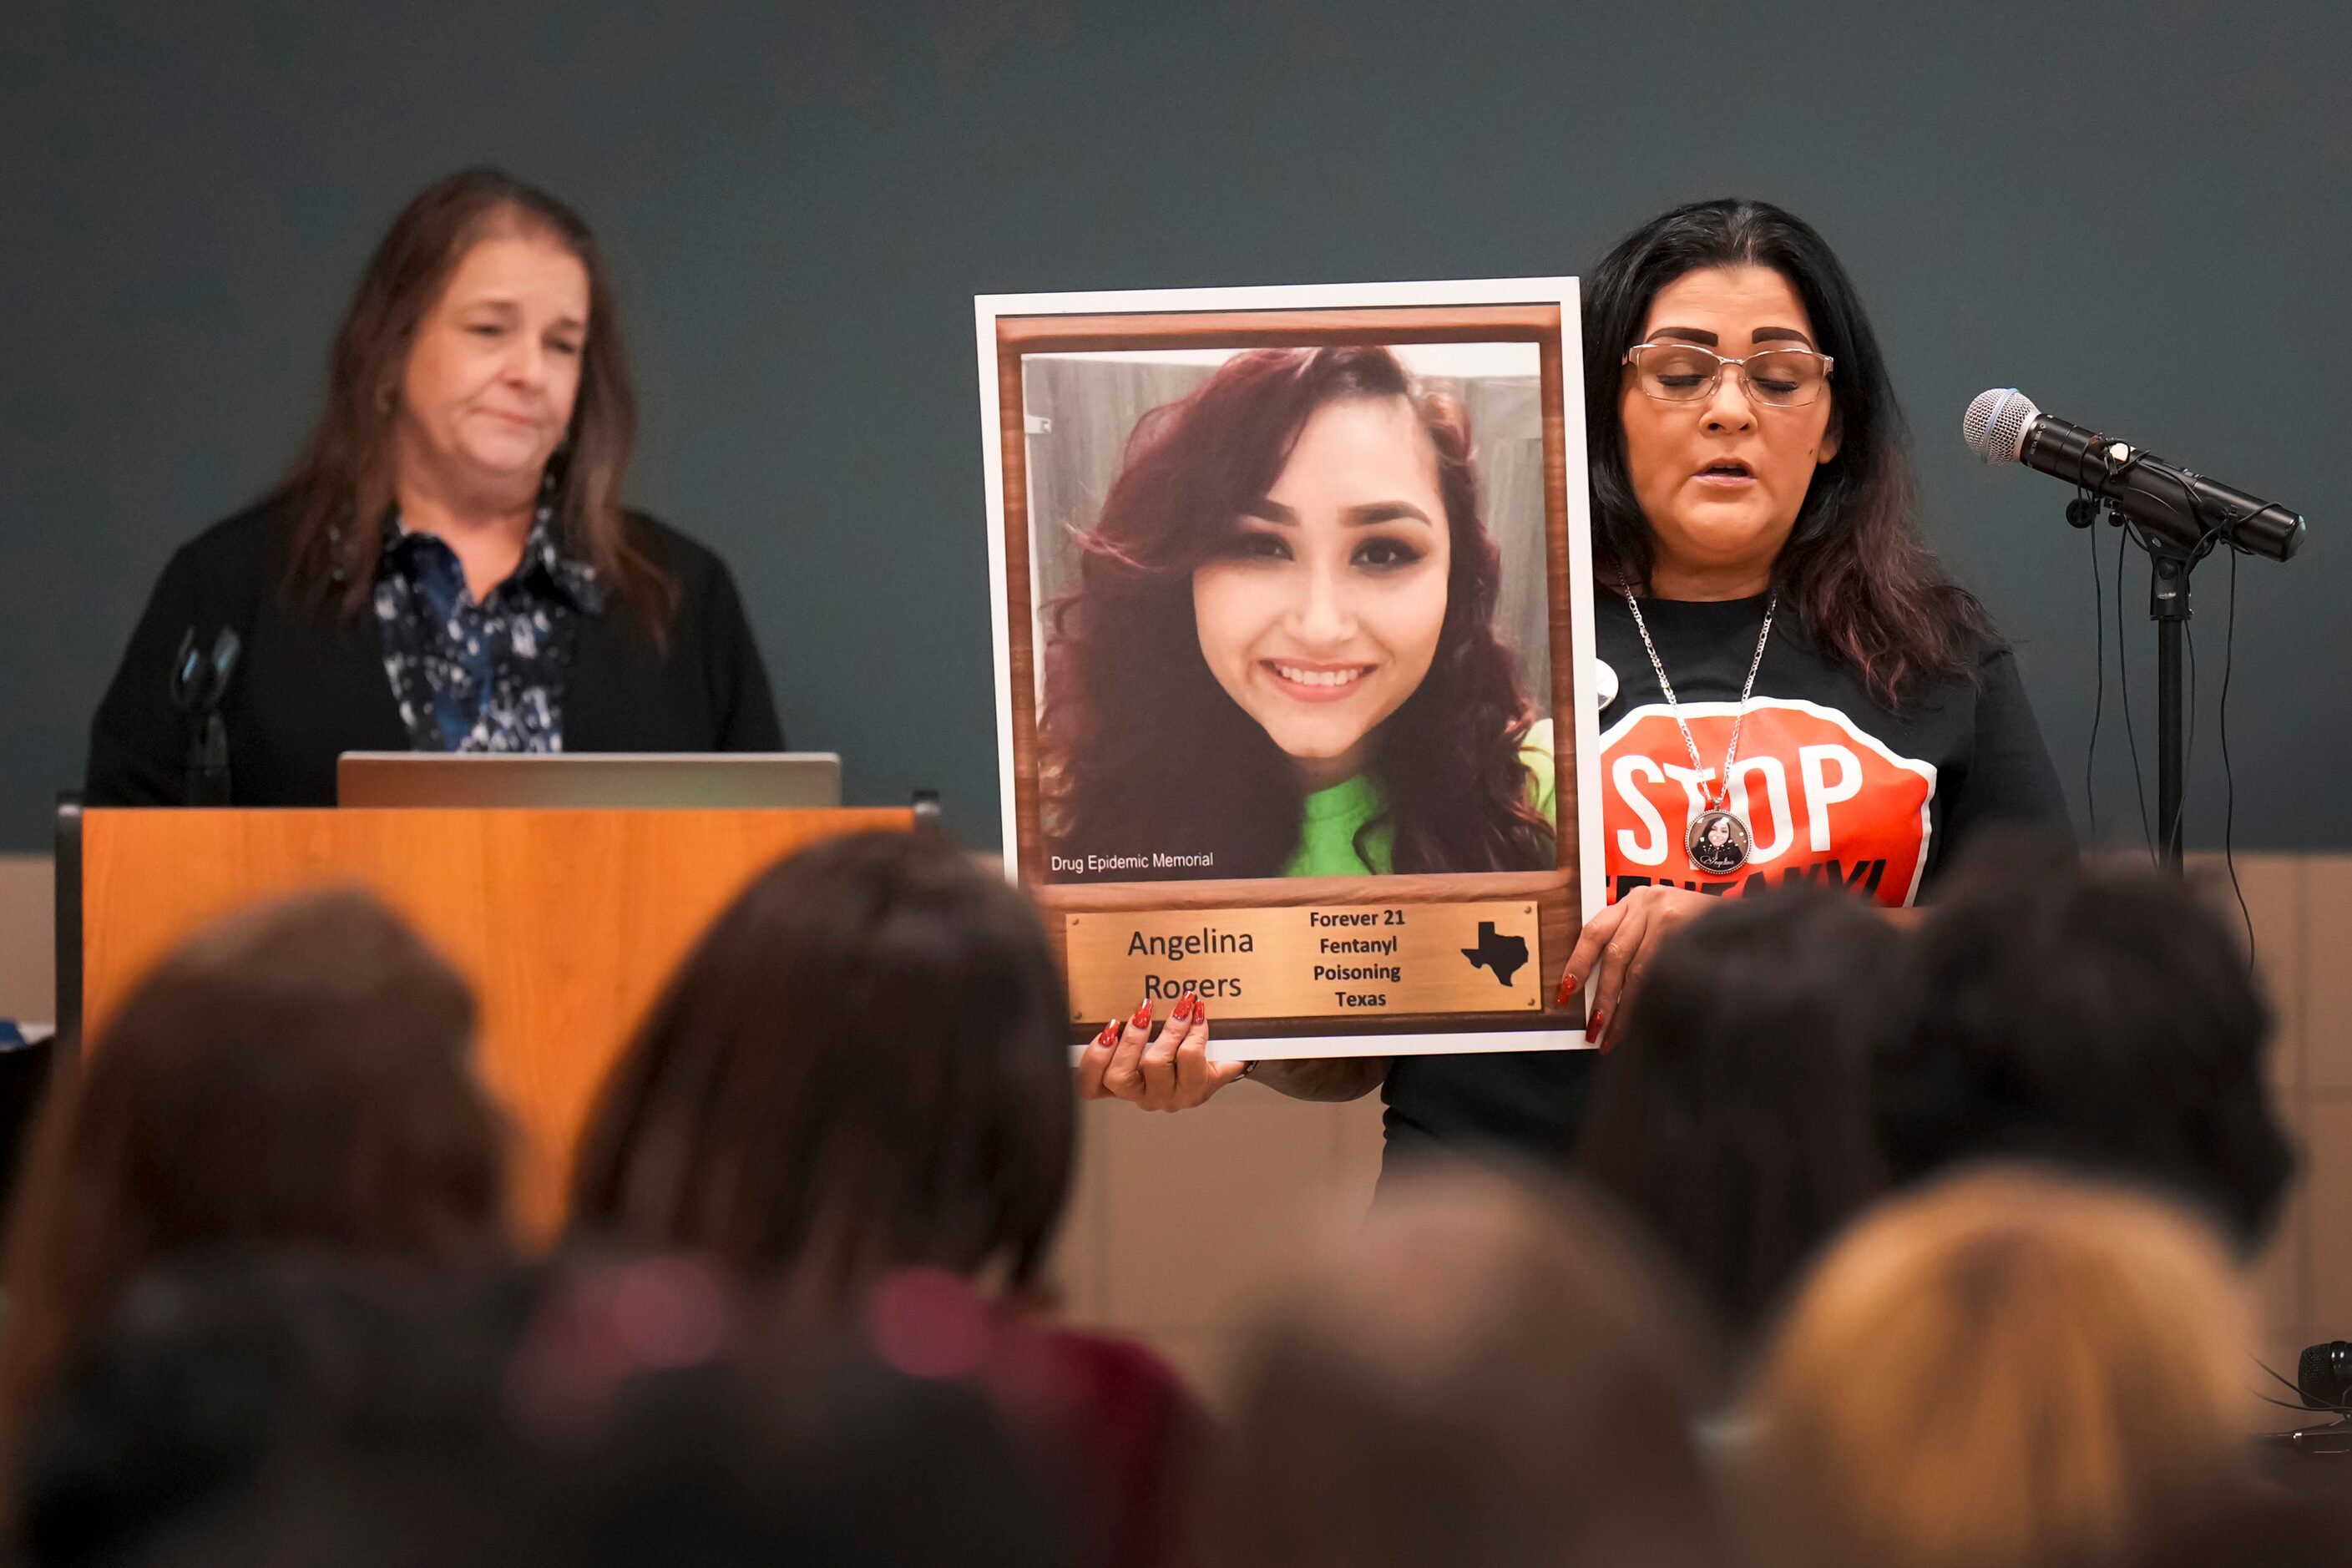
(310, 683)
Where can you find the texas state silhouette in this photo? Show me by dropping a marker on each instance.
(1505, 955)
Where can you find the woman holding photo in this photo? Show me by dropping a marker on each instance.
(1757, 554)
(1281, 658)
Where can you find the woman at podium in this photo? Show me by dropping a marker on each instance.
(449, 566)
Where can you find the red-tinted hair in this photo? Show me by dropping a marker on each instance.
(1144, 749)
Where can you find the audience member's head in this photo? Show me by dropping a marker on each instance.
(2008, 1367)
(861, 1067)
(2094, 1017)
(300, 1074)
(1487, 1373)
(820, 1458)
(1734, 1119)
(293, 1412)
(205, 1378)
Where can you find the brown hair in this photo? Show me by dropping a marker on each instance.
(341, 484)
(302, 1073)
(1488, 1373)
(860, 1066)
(2011, 1367)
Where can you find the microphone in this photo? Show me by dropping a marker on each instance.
(2322, 1375)
(199, 682)
(2002, 426)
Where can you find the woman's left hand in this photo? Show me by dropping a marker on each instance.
(1615, 950)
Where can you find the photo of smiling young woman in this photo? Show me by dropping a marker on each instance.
(1280, 657)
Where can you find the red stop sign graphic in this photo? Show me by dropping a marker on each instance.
(1824, 800)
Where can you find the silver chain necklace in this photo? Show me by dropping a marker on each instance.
(1718, 839)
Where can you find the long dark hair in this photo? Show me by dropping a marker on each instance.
(860, 1066)
(1734, 1120)
(1143, 746)
(341, 484)
(1855, 570)
(300, 1074)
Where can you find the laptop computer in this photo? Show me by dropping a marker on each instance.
(562, 781)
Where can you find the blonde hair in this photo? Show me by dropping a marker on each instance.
(2012, 1367)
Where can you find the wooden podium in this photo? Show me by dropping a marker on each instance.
(566, 923)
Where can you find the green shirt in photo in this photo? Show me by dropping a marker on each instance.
(1332, 818)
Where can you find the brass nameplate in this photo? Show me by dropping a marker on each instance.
(1345, 961)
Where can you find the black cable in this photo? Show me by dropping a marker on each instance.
(2230, 779)
(2338, 1409)
(2123, 677)
(2099, 680)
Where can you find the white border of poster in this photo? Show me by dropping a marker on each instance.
(1561, 292)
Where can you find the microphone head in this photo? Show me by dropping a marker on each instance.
(1994, 427)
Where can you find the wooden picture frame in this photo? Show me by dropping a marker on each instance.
(1556, 900)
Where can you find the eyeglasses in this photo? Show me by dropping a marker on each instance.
(1686, 373)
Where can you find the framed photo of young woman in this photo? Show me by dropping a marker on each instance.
(1292, 598)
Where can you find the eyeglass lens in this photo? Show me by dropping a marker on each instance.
(1681, 373)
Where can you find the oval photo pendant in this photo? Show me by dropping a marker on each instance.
(1717, 842)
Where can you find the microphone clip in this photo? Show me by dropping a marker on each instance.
(199, 684)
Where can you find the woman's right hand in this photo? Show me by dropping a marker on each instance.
(1172, 1072)
(1615, 950)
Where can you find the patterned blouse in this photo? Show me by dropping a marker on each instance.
(488, 675)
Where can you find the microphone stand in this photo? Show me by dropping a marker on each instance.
(2176, 540)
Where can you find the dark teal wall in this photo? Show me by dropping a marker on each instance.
(2136, 213)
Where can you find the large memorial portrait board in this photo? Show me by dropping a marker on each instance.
(1291, 590)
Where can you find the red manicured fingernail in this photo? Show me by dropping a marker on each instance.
(1199, 1011)
(1567, 983)
(1143, 1019)
(1592, 1024)
(1110, 1033)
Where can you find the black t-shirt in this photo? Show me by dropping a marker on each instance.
(1835, 787)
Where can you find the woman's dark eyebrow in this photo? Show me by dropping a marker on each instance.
(1362, 516)
(1384, 512)
(1760, 335)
